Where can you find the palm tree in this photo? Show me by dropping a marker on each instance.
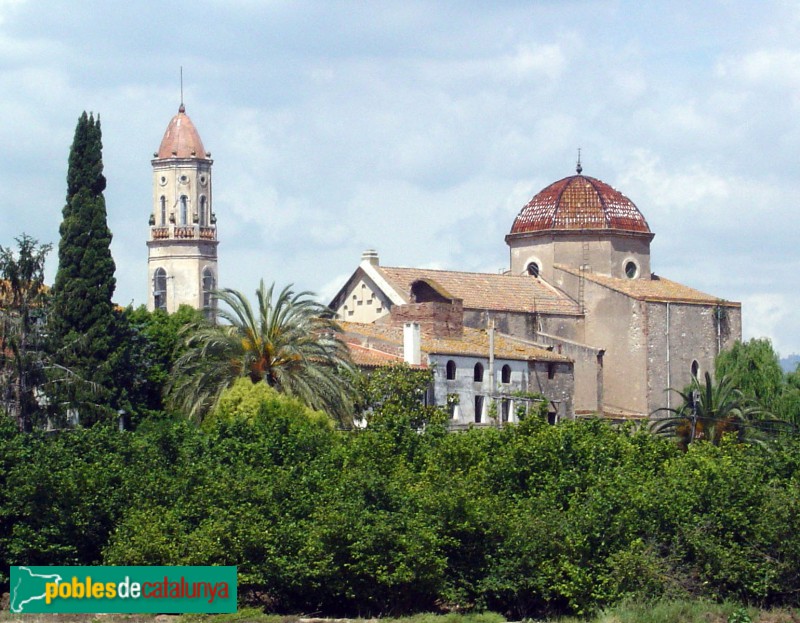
(290, 342)
(709, 411)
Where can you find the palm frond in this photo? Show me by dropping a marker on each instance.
(289, 341)
(711, 410)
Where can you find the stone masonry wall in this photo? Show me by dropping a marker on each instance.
(680, 334)
(436, 319)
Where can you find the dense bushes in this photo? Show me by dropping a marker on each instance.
(524, 520)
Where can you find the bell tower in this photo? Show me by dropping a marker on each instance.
(182, 247)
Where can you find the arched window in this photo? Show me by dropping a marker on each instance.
(533, 269)
(505, 374)
(163, 210)
(160, 289)
(451, 370)
(184, 209)
(209, 284)
(203, 211)
(478, 377)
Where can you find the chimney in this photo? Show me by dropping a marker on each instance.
(412, 354)
(370, 256)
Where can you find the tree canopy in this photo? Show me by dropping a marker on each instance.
(23, 301)
(288, 341)
(710, 411)
(754, 368)
(83, 318)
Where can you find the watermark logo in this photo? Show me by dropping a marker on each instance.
(41, 590)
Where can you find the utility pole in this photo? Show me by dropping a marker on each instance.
(695, 400)
(492, 380)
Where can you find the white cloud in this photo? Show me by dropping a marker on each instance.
(765, 315)
(547, 61)
(421, 130)
(7, 6)
(775, 68)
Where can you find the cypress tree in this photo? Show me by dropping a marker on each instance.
(83, 317)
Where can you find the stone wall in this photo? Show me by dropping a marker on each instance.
(587, 371)
(437, 319)
(526, 325)
(555, 380)
(680, 334)
(605, 253)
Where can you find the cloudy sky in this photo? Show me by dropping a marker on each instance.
(420, 129)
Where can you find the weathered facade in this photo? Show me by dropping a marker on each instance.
(483, 377)
(580, 285)
(182, 246)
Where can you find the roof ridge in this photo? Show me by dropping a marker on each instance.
(606, 219)
(460, 272)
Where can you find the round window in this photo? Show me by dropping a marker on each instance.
(533, 269)
(631, 270)
(203, 180)
(163, 180)
(184, 179)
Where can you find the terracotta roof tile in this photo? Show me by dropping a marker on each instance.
(371, 358)
(576, 203)
(181, 140)
(654, 289)
(474, 343)
(496, 292)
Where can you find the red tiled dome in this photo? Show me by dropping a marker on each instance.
(579, 202)
(181, 139)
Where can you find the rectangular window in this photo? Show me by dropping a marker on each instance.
(478, 409)
(505, 409)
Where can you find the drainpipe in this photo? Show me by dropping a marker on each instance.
(669, 378)
(491, 363)
(491, 356)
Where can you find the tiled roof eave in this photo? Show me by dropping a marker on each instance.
(685, 301)
(701, 299)
(181, 159)
(459, 346)
(541, 309)
(633, 233)
(477, 352)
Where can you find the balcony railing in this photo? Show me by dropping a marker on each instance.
(183, 232)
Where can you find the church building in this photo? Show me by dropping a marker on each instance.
(579, 317)
(182, 246)
(580, 287)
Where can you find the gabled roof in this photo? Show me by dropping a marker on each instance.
(495, 292)
(474, 343)
(365, 269)
(656, 289)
